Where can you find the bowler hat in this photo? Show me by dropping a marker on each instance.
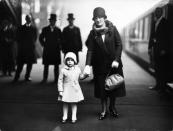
(52, 17)
(99, 12)
(70, 16)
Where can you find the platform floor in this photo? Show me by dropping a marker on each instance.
(34, 107)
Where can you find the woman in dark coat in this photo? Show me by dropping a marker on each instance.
(104, 54)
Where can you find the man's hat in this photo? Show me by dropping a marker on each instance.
(70, 16)
(52, 17)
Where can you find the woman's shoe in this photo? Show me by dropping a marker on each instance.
(102, 116)
(113, 112)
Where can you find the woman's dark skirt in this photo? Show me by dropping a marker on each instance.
(99, 85)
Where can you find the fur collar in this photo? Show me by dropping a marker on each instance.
(103, 30)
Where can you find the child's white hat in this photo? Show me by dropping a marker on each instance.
(71, 55)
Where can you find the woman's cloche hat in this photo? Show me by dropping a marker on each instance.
(52, 17)
(71, 55)
(99, 12)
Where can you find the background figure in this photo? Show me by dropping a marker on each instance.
(159, 44)
(26, 38)
(7, 36)
(72, 38)
(104, 54)
(51, 38)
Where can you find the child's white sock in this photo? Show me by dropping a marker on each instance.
(65, 111)
(74, 111)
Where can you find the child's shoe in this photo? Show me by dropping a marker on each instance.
(64, 120)
(73, 121)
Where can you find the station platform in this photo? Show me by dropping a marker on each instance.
(31, 106)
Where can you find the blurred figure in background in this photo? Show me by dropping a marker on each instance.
(159, 44)
(7, 36)
(50, 39)
(26, 38)
(72, 37)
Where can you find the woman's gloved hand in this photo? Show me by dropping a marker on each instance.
(115, 64)
(87, 70)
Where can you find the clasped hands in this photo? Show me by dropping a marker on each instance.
(87, 69)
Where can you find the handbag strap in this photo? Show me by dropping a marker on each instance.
(108, 73)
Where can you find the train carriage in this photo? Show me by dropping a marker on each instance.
(136, 37)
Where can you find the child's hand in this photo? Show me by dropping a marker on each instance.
(60, 96)
(60, 93)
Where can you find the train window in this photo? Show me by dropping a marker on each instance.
(146, 28)
(132, 32)
(143, 28)
(140, 29)
(137, 30)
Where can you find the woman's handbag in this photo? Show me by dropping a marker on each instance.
(113, 82)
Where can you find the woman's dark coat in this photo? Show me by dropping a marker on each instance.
(51, 42)
(26, 38)
(101, 55)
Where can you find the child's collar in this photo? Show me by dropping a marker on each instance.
(69, 68)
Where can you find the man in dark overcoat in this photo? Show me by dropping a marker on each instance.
(159, 44)
(72, 37)
(7, 34)
(26, 38)
(51, 38)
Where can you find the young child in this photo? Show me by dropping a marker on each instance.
(68, 86)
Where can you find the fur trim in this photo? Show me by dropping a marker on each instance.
(108, 28)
